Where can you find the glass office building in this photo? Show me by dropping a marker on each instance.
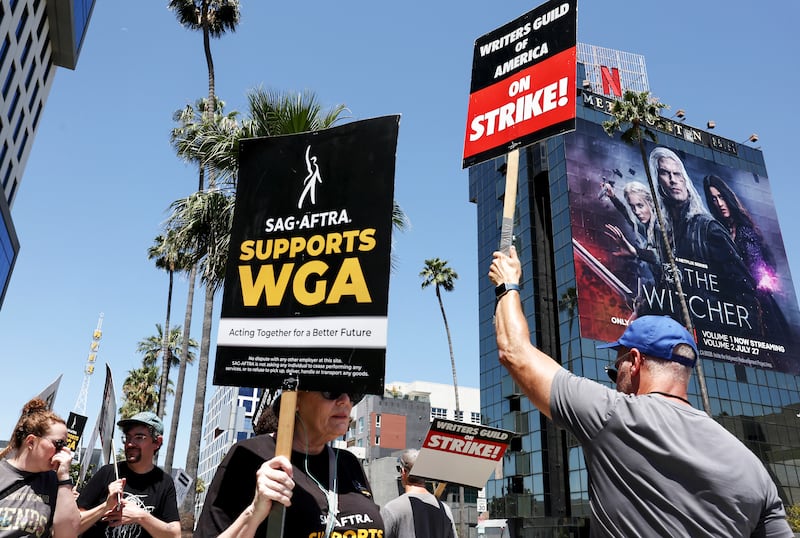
(36, 37)
(571, 288)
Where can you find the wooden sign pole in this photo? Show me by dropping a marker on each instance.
(283, 447)
(510, 200)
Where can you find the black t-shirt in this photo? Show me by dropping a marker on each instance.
(233, 486)
(154, 491)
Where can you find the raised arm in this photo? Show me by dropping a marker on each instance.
(532, 370)
(66, 517)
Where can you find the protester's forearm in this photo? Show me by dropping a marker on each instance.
(246, 524)
(160, 529)
(66, 518)
(531, 369)
(90, 516)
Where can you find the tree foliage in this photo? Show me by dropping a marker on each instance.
(140, 391)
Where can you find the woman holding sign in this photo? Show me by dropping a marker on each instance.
(324, 489)
(35, 488)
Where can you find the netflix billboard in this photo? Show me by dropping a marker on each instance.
(523, 82)
(723, 230)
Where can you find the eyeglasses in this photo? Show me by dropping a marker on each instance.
(355, 397)
(58, 443)
(136, 439)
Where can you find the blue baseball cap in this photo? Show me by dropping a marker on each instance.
(657, 337)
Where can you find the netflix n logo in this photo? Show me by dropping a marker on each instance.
(611, 81)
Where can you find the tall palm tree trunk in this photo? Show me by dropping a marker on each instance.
(166, 356)
(176, 406)
(450, 345)
(193, 455)
(687, 320)
(463, 530)
(211, 104)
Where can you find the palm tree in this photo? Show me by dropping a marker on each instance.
(437, 273)
(213, 18)
(198, 132)
(190, 124)
(170, 259)
(202, 224)
(637, 111)
(152, 347)
(140, 391)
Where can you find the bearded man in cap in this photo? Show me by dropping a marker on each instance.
(657, 466)
(141, 502)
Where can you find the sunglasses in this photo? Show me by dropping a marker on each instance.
(613, 371)
(355, 397)
(58, 443)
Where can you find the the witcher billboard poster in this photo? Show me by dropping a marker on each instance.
(723, 231)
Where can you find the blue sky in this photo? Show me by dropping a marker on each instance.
(102, 174)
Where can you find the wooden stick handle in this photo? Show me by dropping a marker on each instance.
(510, 200)
(283, 447)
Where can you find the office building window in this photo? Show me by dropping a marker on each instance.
(475, 418)
(459, 416)
(4, 50)
(360, 424)
(378, 420)
(438, 412)
(34, 94)
(22, 145)
(26, 50)
(12, 107)
(377, 440)
(29, 76)
(40, 28)
(9, 80)
(23, 20)
(36, 116)
(18, 126)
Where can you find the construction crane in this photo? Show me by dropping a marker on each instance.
(80, 403)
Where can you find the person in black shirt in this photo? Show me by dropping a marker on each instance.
(324, 489)
(148, 504)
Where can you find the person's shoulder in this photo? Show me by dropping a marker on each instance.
(161, 474)
(396, 503)
(344, 454)
(104, 472)
(260, 445)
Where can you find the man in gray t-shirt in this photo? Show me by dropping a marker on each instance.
(658, 467)
(417, 513)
